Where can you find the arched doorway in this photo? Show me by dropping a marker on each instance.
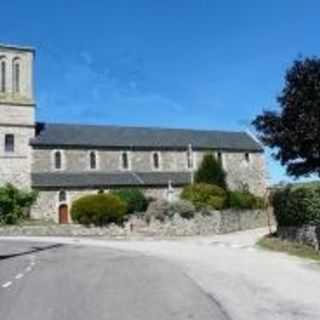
(63, 214)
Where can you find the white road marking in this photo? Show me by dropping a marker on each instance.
(19, 276)
(7, 284)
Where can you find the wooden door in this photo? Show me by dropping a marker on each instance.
(63, 214)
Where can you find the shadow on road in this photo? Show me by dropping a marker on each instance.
(32, 250)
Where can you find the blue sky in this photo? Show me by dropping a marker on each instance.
(180, 63)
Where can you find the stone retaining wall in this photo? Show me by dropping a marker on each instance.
(215, 222)
(308, 235)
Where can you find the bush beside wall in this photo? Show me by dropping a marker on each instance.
(297, 206)
(15, 204)
(99, 210)
(203, 195)
(134, 199)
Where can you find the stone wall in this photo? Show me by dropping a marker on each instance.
(308, 235)
(239, 171)
(217, 222)
(17, 117)
(15, 167)
(47, 204)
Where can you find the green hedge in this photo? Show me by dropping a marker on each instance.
(15, 204)
(297, 206)
(133, 198)
(204, 195)
(98, 209)
(244, 200)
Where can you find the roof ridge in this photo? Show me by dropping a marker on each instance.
(143, 127)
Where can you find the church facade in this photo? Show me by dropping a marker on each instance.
(66, 161)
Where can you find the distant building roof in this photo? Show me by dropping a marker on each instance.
(114, 179)
(73, 135)
(17, 47)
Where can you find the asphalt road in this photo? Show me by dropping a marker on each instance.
(49, 281)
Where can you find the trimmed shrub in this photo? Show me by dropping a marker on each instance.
(211, 172)
(205, 195)
(182, 207)
(98, 209)
(297, 206)
(244, 200)
(15, 204)
(134, 199)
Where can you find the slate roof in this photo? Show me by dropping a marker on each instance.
(114, 179)
(72, 135)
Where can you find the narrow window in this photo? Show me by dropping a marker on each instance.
(220, 159)
(156, 160)
(62, 196)
(16, 76)
(9, 143)
(93, 161)
(247, 157)
(57, 160)
(125, 161)
(3, 76)
(190, 162)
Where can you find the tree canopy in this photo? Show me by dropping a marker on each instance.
(294, 130)
(211, 172)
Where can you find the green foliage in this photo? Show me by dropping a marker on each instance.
(183, 208)
(134, 199)
(159, 210)
(294, 131)
(204, 195)
(211, 172)
(244, 200)
(99, 209)
(296, 207)
(15, 204)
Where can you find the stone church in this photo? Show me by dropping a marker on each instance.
(65, 161)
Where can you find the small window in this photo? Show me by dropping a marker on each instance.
(62, 196)
(9, 143)
(93, 161)
(220, 156)
(3, 76)
(125, 160)
(190, 162)
(156, 160)
(16, 76)
(247, 157)
(58, 160)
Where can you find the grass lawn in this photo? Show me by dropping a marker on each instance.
(292, 248)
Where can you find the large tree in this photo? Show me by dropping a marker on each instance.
(294, 131)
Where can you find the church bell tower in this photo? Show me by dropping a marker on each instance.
(17, 114)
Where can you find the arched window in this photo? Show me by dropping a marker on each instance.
(156, 160)
(62, 196)
(190, 162)
(58, 160)
(3, 85)
(220, 158)
(93, 160)
(16, 75)
(125, 160)
(247, 157)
